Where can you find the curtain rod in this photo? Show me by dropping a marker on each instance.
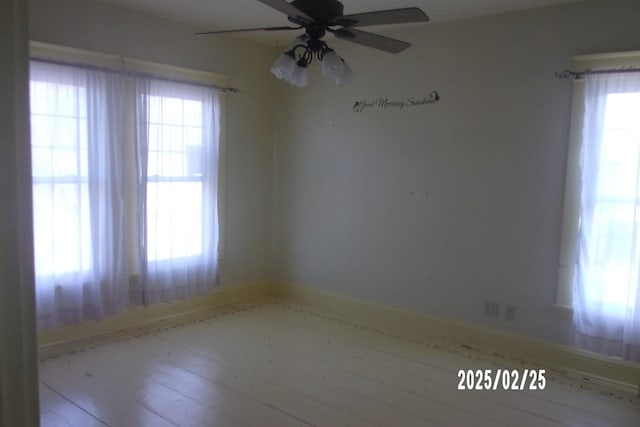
(577, 75)
(136, 74)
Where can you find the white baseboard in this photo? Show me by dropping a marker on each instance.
(142, 315)
(617, 373)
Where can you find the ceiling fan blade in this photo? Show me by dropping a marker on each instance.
(204, 33)
(290, 10)
(371, 40)
(383, 17)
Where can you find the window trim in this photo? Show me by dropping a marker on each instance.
(44, 51)
(571, 208)
(119, 63)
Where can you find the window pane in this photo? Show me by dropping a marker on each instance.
(614, 243)
(615, 255)
(62, 240)
(174, 190)
(193, 113)
(622, 110)
(620, 147)
(174, 220)
(59, 98)
(171, 137)
(171, 112)
(60, 191)
(155, 132)
(195, 161)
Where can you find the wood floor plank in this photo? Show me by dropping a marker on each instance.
(359, 359)
(111, 405)
(214, 395)
(277, 363)
(589, 404)
(360, 380)
(164, 400)
(238, 378)
(51, 419)
(293, 372)
(60, 411)
(305, 380)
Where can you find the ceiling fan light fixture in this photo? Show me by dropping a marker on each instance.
(317, 17)
(291, 66)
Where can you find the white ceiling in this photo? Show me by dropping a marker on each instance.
(236, 14)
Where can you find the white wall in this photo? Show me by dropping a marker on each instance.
(437, 208)
(97, 26)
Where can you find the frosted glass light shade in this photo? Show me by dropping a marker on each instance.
(332, 65)
(284, 67)
(300, 76)
(291, 66)
(345, 76)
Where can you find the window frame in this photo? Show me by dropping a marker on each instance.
(78, 181)
(571, 207)
(123, 64)
(158, 179)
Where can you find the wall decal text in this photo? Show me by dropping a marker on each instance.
(386, 103)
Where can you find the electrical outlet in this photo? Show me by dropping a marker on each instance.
(492, 309)
(510, 313)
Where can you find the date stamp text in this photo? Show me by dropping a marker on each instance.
(502, 379)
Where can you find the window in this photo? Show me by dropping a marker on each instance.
(125, 183)
(616, 211)
(175, 177)
(600, 259)
(178, 187)
(59, 164)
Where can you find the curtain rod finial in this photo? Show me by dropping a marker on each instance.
(568, 74)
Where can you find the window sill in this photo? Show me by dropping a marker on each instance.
(564, 311)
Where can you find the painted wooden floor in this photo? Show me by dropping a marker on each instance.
(278, 363)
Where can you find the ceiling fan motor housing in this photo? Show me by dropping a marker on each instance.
(324, 12)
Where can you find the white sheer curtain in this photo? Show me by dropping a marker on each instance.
(177, 145)
(77, 127)
(606, 299)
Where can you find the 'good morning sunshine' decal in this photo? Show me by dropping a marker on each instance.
(386, 103)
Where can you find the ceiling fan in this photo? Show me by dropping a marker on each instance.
(317, 17)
